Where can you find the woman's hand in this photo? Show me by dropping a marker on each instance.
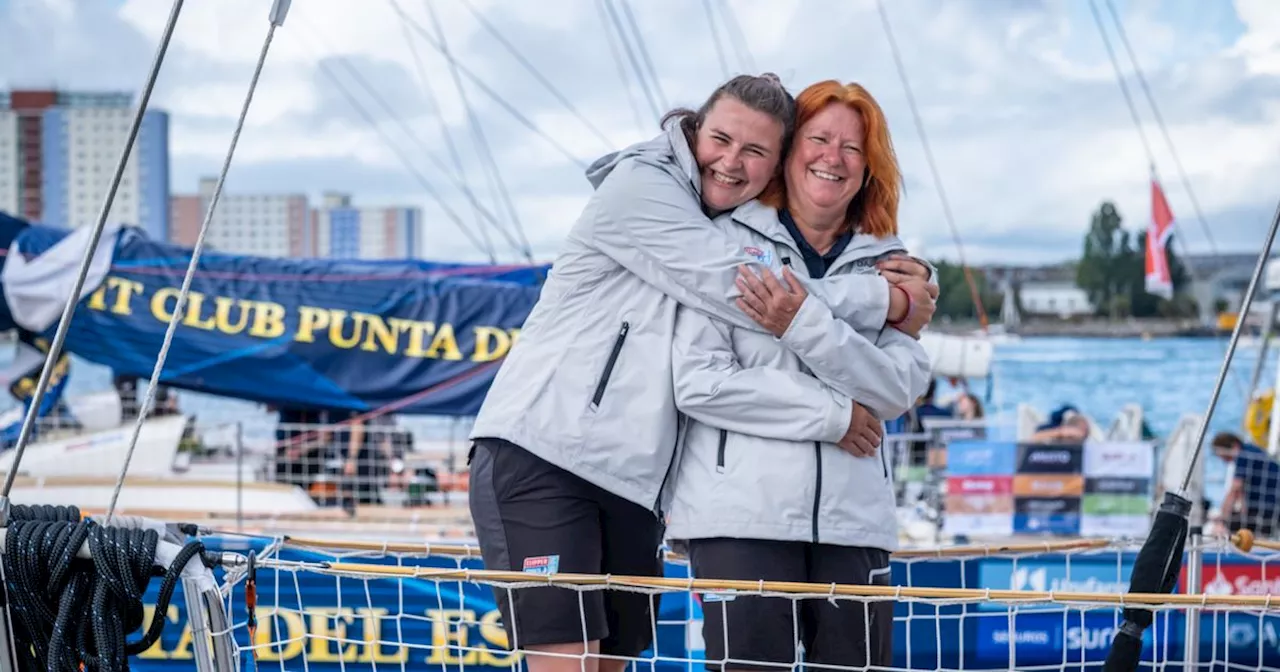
(899, 267)
(911, 305)
(768, 301)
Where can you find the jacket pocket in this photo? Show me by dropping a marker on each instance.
(724, 438)
(609, 364)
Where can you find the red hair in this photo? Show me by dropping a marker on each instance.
(874, 208)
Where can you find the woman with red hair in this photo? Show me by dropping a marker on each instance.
(772, 485)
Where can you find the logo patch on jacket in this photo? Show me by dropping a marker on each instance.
(763, 256)
(542, 564)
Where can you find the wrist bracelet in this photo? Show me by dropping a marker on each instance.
(910, 306)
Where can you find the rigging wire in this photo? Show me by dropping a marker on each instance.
(622, 67)
(631, 58)
(487, 161)
(73, 299)
(537, 74)
(736, 38)
(400, 154)
(434, 104)
(488, 91)
(933, 167)
(276, 18)
(715, 37)
(644, 52)
(1164, 130)
(399, 151)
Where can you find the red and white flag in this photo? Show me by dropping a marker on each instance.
(1158, 279)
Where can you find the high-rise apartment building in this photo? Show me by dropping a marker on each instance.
(58, 152)
(265, 225)
(340, 230)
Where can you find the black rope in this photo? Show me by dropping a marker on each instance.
(69, 611)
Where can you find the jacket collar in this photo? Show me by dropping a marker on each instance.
(764, 220)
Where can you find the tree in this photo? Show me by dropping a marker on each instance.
(956, 301)
(1113, 272)
(1100, 272)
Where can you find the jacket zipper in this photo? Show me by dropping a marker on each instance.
(675, 453)
(884, 461)
(608, 366)
(724, 438)
(817, 491)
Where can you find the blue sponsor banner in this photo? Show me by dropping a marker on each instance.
(1064, 524)
(351, 625)
(424, 338)
(981, 458)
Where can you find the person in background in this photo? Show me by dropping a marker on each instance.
(1253, 491)
(968, 407)
(1072, 428)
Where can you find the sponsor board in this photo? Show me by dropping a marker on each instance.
(1048, 485)
(979, 504)
(1051, 523)
(1114, 526)
(1115, 505)
(1049, 459)
(1237, 579)
(1095, 574)
(1131, 460)
(979, 524)
(1106, 485)
(981, 458)
(1047, 638)
(1046, 506)
(980, 485)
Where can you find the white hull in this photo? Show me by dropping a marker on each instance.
(955, 356)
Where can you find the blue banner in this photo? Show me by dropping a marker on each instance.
(414, 337)
(327, 624)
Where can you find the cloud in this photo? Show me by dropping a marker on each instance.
(1020, 102)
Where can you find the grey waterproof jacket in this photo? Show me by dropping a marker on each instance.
(587, 385)
(759, 459)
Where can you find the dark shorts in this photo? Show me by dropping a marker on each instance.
(759, 633)
(532, 516)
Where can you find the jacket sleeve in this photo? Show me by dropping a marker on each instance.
(656, 229)
(886, 376)
(712, 387)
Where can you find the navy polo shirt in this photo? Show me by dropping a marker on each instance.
(818, 264)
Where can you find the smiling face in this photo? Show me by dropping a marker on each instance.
(738, 151)
(827, 165)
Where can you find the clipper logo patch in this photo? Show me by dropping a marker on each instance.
(542, 564)
(763, 256)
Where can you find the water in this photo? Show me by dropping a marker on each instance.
(1167, 377)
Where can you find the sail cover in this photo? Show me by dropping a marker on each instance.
(406, 336)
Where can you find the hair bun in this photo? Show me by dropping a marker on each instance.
(772, 78)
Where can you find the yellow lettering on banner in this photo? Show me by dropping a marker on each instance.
(448, 633)
(331, 624)
(159, 303)
(372, 626)
(310, 319)
(124, 289)
(418, 332)
(485, 352)
(222, 314)
(387, 335)
(493, 633)
(337, 318)
(268, 320)
(286, 647)
(194, 308)
(445, 340)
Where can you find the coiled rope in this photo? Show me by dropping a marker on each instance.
(71, 614)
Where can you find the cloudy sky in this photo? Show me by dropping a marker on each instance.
(1018, 99)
